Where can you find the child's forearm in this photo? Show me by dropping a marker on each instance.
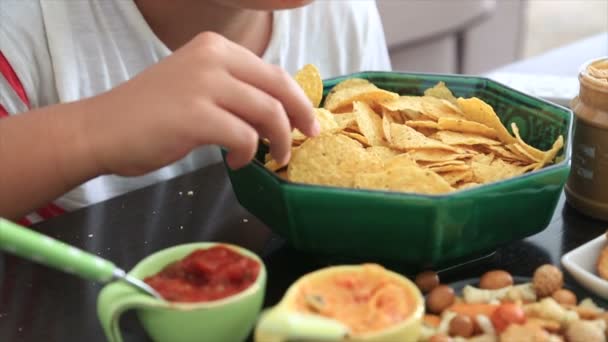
(43, 154)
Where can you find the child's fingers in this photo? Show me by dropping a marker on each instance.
(275, 81)
(263, 112)
(297, 105)
(227, 130)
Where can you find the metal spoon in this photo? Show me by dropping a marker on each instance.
(28, 244)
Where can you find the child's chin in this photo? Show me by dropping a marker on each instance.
(273, 4)
(294, 3)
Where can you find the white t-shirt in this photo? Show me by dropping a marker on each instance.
(64, 50)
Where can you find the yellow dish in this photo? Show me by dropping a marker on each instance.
(364, 303)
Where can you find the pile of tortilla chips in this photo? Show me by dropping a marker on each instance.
(432, 144)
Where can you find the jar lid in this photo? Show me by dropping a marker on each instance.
(595, 74)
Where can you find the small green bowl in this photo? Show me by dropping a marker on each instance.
(412, 230)
(230, 319)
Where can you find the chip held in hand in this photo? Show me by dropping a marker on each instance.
(310, 81)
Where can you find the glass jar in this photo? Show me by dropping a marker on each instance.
(587, 186)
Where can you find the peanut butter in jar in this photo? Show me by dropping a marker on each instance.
(587, 186)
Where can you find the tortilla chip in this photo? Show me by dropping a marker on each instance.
(434, 155)
(456, 138)
(449, 168)
(387, 120)
(404, 179)
(408, 107)
(351, 82)
(399, 161)
(326, 121)
(470, 150)
(406, 138)
(426, 131)
(341, 99)
(310, 81)
(504, 153)
(497, 170)
(422, 108)
(330, 159)
(524, 155)
(534, 152)
(441, 91)
(485, 159)
(283, 174)
(272, 165)
(484, 173)
(453, 106)
(550, 155)
(466, 126)
(455, 177)
(417, 124)
(444, 163)
(382, 152)
(476, 110)
(297, 143)
(370, 124)
(467, 185)
(436, 109)
(346, 120)
(357, 137)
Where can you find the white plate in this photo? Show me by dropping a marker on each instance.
(581, 262)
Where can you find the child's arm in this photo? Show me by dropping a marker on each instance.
(211, 91)
(43, 154)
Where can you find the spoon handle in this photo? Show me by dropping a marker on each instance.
(28, 244)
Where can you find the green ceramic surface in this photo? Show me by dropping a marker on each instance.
(230, 319)
(411, 230)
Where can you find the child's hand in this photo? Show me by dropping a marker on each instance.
(211, 91)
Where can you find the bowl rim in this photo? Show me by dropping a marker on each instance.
(255, 287)
(565, 163)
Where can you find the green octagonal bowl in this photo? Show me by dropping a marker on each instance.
(412, 230)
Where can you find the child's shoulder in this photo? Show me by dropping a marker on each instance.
(21, 18)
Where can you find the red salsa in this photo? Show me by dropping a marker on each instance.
(205, 275)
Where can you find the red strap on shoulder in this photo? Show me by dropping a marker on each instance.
(9, 73)
(3, 112)
(50, 211)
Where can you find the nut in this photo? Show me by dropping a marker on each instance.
(586, 312)
(604, 317)
(547, 279)
(585, 331)
(496, 279)
(440, 299)
(462, 326)
(564, 297)
(524, 333)
(427, 281)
